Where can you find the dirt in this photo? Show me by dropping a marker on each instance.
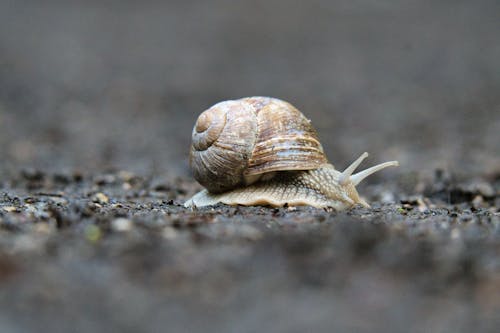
(118, 252)
(97, 104)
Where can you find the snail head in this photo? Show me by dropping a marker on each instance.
(348, 181)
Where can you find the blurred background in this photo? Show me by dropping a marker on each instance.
(118, 84)
(114, 84)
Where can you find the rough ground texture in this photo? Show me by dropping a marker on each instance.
(97, 102)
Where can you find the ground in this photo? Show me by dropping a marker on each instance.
(118, 252)
(97, 103)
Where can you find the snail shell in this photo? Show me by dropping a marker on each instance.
(236, 142)
(263, 151)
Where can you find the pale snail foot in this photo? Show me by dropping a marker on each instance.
(298, 188)
(235, 197)
(323, 187)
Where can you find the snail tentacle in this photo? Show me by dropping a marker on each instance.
(357, 178)
(346, 175)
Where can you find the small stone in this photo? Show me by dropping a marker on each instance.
(100, 198)
(121, 224)
(422, 207)
(485, 189)
(126, 175)
(30, 200)
(478, 202)
(10, 209)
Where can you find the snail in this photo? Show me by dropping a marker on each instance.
(263, 151)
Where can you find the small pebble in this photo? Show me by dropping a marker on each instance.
(10, 209)
(126, 175)
(484, 189)
(478, 202)
(422, 207)
(121, 224)
(100, 198)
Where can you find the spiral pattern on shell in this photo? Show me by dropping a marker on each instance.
(236, 141)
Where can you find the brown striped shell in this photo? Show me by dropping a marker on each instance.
(235, 142)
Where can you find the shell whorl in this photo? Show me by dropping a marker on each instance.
(286, 139)
(223, 139)
(236, 141)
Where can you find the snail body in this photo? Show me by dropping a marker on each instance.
(263, 151)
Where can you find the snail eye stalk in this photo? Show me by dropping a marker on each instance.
(347, 175)
(357, 178)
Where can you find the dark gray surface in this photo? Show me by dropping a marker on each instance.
(421, 265)
(92, 84)
(89, 90)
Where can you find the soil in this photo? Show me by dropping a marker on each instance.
(97, 103)
(118, 252)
